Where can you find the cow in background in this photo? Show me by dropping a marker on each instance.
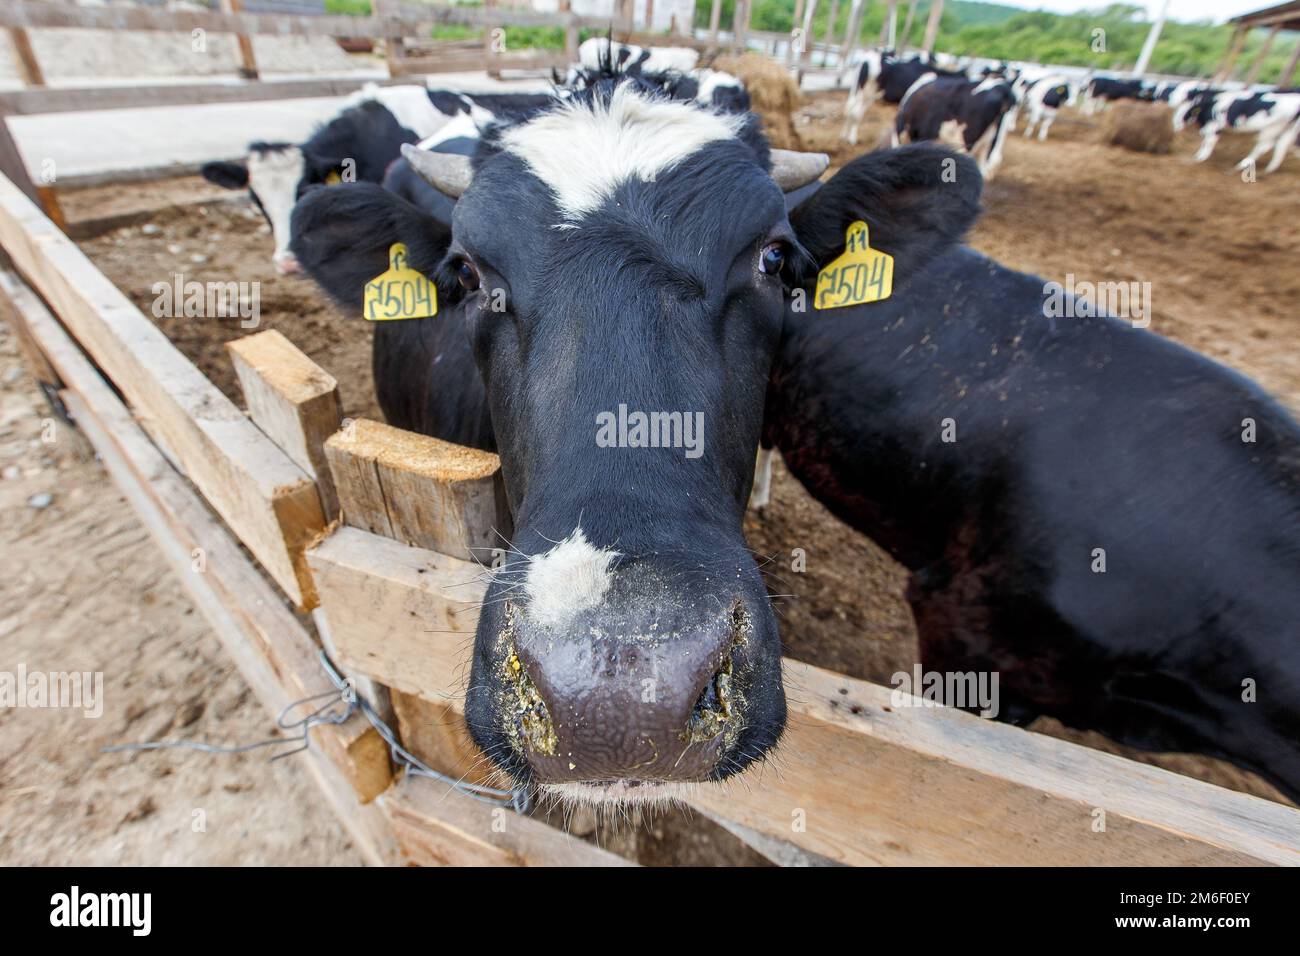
(1274, 116)
(971, 115)
(883, 76)
(598, 53)
(1042, 98)
(357, 145)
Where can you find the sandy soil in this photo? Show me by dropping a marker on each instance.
(1218, 252)
(84, 588)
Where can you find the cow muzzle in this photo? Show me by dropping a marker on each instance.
(650, 683)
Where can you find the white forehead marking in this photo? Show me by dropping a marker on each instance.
(582, 151)
(274, 176)
(572, 577)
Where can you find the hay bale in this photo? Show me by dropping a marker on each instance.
(1141, 127)
(773, 94)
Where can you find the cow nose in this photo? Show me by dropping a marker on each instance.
(627, 700)
(286, 263)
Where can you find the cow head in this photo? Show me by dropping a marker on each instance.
(620, 264)
(275, 175)
(278, 174)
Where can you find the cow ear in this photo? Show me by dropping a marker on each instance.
(342, 237)
(226, 175)
(917, 201)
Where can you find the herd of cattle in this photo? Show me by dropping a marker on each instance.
(974, 109)
(630, 240)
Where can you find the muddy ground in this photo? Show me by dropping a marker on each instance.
(1219, 253)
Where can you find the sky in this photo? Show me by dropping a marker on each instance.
(1216, 10)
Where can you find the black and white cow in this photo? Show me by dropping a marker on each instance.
(619, 250)
(356, 145)
(1274, 116)
(973, 115)
(1100, 91)
(709, 87)
(1042, 98)
(883, 76)
(1107, 520)
(599, 53)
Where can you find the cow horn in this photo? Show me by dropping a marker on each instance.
(792, 170)
(448, 173)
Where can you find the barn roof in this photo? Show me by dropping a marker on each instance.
(1283, 15)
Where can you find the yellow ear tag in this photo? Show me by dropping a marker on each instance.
(860, 275)
(399, 293)
(333, 178)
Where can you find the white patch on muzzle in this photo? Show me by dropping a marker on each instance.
(570, 578)
(273, 176)
(583, 151)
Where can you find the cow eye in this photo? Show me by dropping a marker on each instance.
(772, 259)
(467, 275)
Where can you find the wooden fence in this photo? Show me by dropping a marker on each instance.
(370, 529)
(394, 24)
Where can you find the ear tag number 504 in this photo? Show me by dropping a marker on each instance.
(399, 293)
(860, 275)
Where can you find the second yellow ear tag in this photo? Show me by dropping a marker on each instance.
(399, 293)
(860, 275)
(332, 178)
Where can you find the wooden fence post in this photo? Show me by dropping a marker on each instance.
(932, 26)
(1258, 65)
(248, 62)
(570, 31)
(430, 494)
(490, 48)
(394, 44)
(1230, 55)
(715, 18)
(29, 69)
(294, 401)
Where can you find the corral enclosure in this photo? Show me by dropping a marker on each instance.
(1218, 252)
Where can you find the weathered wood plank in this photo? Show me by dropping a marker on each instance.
(419, 490)
(61, 100)
(436, 733)
(267, 500)
(437, 827)
(405, 20)
(856, 779)
(424, 603)
(293, 400)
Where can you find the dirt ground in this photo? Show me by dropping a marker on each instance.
(1219, 253)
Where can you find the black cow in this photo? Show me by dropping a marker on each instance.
(619, 250)
(355, 146)
(972, 115)
(882, 75)
(1107, 520)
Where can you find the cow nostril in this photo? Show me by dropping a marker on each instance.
(712, 714)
